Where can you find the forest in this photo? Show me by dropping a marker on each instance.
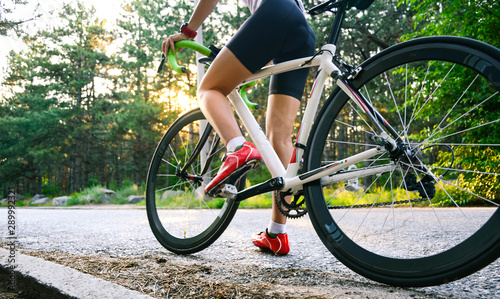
(83, 105)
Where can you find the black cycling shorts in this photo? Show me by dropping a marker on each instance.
(277, 31)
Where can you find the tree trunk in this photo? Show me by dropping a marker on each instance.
(38, 180)
(86, 158)
(117, 173)
(77, 171)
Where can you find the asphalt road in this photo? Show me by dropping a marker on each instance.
(126, 232)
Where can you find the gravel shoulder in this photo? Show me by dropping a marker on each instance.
(161, 277)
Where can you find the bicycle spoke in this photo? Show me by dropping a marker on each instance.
(173, 155)
(169, 187)
(349, 125)
(166, 175)
(356, 201)
(417, 171)
(467, 171)
(466, 130)
(415, 229)
(393, 98)
(431, 94)
(360, 115)
(419, 94)
(454, 105)
(463, 115)
(366, 215)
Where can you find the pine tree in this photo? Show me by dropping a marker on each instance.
(53, 86)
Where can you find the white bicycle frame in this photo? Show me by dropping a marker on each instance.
(292, 181)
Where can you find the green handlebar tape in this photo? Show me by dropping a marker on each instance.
(185, 44)
(192, 45)
(244, 96)
(173, 63)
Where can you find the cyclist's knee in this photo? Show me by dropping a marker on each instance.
(204, 94)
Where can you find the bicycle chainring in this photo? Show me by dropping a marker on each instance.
(295, 209)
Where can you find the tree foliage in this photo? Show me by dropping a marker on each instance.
(7, 22)
(477, 19)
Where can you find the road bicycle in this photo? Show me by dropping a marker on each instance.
(398, 167)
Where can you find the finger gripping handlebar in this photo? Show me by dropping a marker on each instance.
(179, 45)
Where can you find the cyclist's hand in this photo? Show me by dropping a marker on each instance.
(169, 42)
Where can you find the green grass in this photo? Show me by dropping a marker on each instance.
(336, 197)
(123, 193)
(88, 195)
(189, 200)
(262, 201)
(95, 195)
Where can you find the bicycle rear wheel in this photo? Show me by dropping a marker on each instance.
(404, 226)
(182, 218)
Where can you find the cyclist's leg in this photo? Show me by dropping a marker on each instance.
(252, 47)
(225, 73)
(286, 90)
(281, 112)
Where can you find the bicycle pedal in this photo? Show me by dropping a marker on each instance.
(227, 191)
(232, 180)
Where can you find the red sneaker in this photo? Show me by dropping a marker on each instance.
(278, 245)
(235, 166)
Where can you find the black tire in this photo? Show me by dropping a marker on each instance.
(389, 234)
(182, 218)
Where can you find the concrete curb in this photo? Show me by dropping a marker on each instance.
(52, 278)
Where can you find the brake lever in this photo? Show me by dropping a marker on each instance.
(162, 62)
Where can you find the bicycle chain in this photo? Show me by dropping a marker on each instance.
(379, 204)
(301, 210)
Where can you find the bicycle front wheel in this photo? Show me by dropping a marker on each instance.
(431, 216)
(182, 218)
